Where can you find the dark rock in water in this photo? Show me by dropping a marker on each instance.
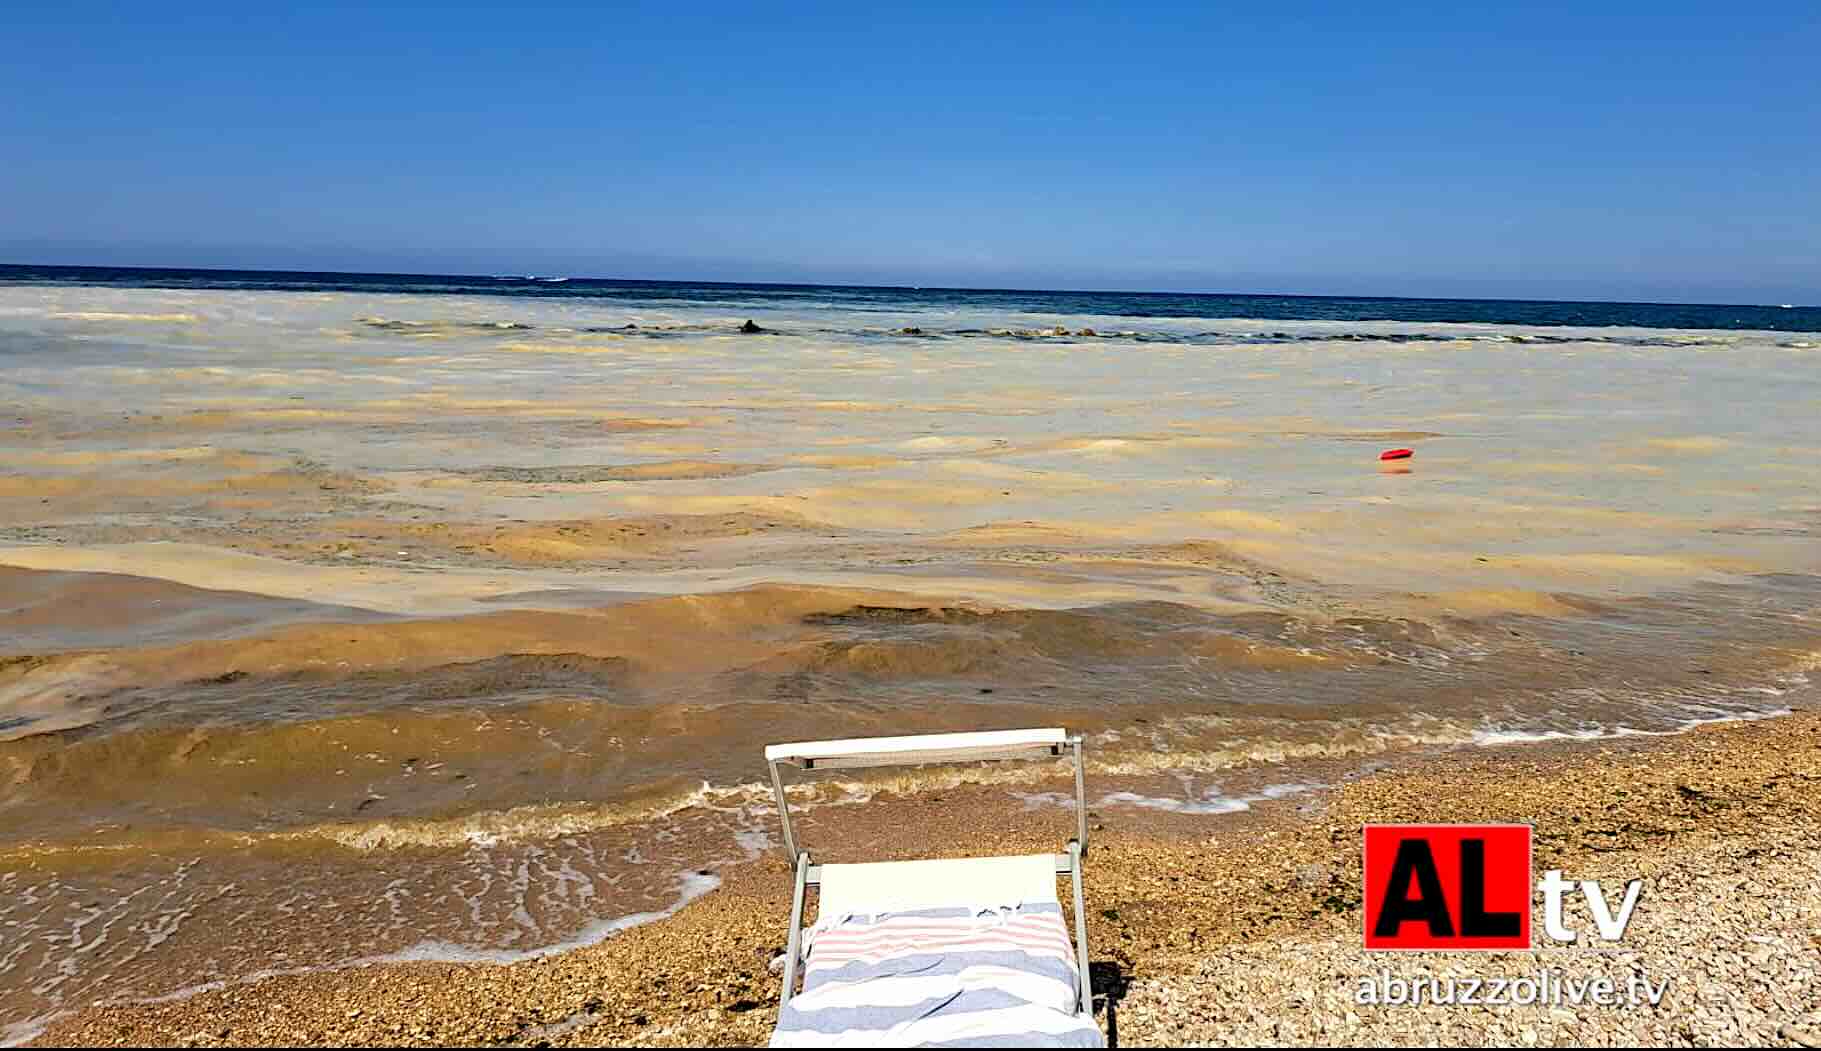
(749, 328)
(632, 326)
(1087, 332)
(1059, 331)
(910, 331)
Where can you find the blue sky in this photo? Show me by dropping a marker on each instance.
(1648, 150)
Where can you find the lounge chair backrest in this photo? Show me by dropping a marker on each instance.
(908, 886)
(1049, 743)
(905, 886)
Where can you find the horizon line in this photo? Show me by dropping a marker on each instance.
(551, 278)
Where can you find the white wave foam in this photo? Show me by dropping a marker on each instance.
(18, 1034)
(1211, 800)
(692, 885)
(1491, 738)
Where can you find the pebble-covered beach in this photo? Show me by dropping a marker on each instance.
(1246, 932)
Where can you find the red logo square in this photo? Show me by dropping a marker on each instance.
(1447, 886)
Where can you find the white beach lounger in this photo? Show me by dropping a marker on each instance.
(961, 953)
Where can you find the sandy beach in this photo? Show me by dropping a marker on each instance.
(1228, 933)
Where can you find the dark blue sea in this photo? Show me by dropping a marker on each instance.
(888, 300)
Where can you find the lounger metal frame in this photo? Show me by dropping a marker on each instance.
(928, 748)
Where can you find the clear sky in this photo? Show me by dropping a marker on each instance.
(1649, 150)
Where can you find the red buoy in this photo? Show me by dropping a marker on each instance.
(1395, 454)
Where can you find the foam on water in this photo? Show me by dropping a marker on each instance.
(1494, 738)
(693, 886)
(1210, 800)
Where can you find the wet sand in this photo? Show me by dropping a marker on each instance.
(1168, 898)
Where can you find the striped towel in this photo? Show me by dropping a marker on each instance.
(956, 977)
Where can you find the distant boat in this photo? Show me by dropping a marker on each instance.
(1787, 306)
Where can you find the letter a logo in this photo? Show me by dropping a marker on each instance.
(1447, 886)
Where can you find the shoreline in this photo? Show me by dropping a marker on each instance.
(1185, 911)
